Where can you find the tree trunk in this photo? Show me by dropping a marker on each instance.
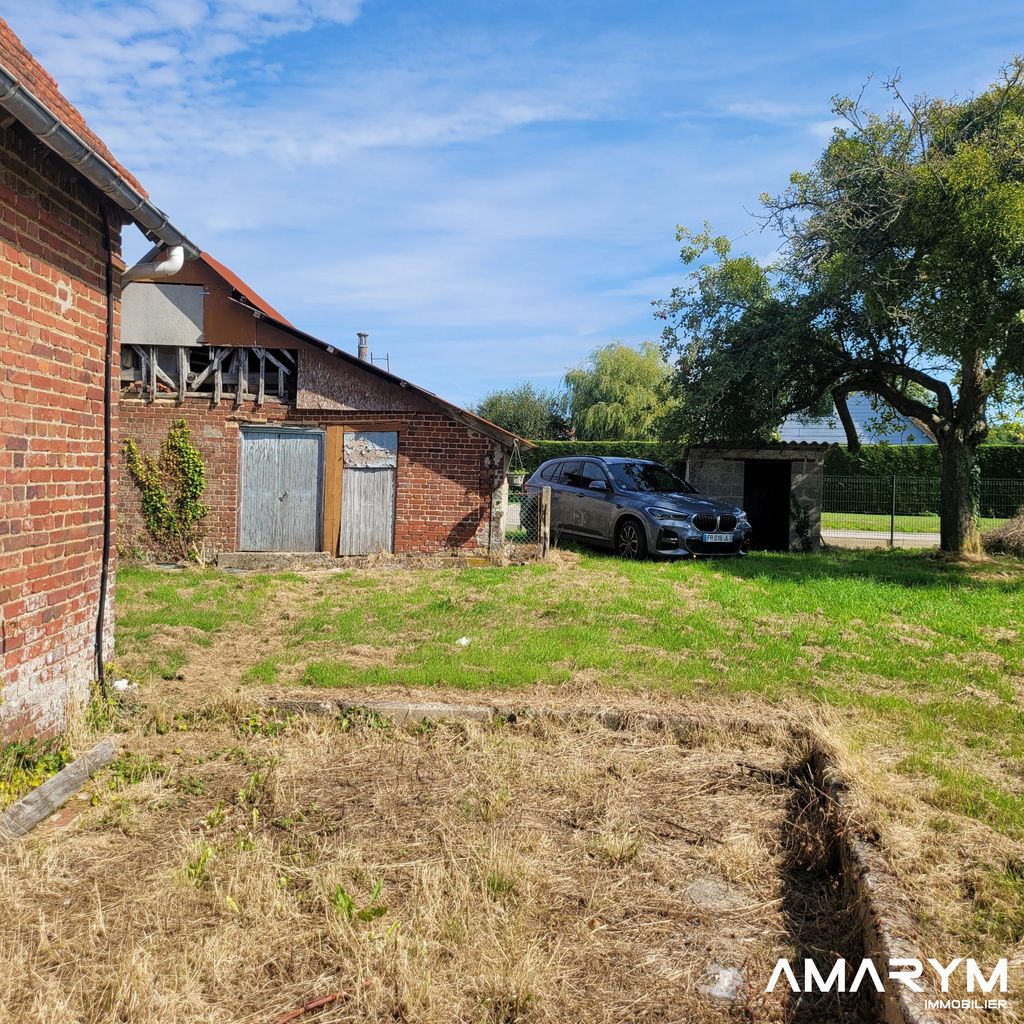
(958, 523)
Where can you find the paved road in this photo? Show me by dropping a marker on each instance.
(875, 539)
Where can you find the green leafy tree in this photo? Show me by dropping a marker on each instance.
(1007, 426)
(619, 394)
(527, 410)
(901, 274)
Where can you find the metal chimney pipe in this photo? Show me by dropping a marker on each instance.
(364, 349)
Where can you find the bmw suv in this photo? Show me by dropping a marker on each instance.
(636, 508)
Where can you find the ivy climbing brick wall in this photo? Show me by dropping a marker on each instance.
(447, 474)
(52, 330)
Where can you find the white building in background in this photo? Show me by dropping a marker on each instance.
(880, 425)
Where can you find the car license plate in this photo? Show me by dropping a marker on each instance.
(717, 538)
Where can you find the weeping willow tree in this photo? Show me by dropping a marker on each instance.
(619, 394)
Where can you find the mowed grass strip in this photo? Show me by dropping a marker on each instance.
(926, 523)
(162, 614)
(922, 656)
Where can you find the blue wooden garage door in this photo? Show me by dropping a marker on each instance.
(282, 488)
(368, 492)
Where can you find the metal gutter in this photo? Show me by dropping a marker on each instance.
(37, 118)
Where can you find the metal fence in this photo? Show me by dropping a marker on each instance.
(528, 521)
(900, 511)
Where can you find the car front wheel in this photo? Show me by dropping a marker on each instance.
(630, 540)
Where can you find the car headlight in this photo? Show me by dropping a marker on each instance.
(742, 520)
(670, 514)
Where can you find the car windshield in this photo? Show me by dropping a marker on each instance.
(648, 477)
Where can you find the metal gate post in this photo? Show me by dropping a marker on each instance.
(545, 521)
(892, 515)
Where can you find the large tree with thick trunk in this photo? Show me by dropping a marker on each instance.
(900, 275)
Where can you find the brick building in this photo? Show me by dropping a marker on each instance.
(306, 447)
(63, 202)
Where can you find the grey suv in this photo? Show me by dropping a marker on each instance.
(637, 508)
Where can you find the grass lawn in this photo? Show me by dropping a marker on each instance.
(265, 835)
(880, 523)
(511, 872)
(926, 650)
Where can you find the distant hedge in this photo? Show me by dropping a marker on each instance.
(996, 461)
(670, 454)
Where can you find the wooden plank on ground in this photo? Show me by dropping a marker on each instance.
(28, 812)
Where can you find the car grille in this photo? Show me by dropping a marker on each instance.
(712, 524)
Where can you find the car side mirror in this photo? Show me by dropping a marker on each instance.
(598, 485)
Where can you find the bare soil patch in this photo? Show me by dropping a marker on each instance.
(236, 866)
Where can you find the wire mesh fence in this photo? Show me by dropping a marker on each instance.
(527, 521)
(520, 516)
(863, 511)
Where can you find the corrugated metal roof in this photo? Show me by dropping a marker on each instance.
(249, 294)
(768, 446)
(872, 427)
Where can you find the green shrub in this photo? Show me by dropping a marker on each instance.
(171, 486)
(995, 461)
(921, 462)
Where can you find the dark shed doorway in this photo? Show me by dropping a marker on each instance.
(766, 494)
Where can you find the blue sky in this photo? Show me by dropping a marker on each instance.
(489, 189)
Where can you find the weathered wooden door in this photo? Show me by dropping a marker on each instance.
(281, 489)
(368, 492)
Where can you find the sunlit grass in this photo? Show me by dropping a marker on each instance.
(923, 653)
(926, 523)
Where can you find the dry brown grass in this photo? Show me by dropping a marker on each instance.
(1007, 539)
(530, 872)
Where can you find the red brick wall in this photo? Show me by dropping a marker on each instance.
(446, 472)
(52, 330)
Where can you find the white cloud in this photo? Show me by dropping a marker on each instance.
(756, 109)
(823, 129)
(489, 200)
(96, 47)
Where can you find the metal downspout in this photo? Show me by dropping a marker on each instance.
(108, 427)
